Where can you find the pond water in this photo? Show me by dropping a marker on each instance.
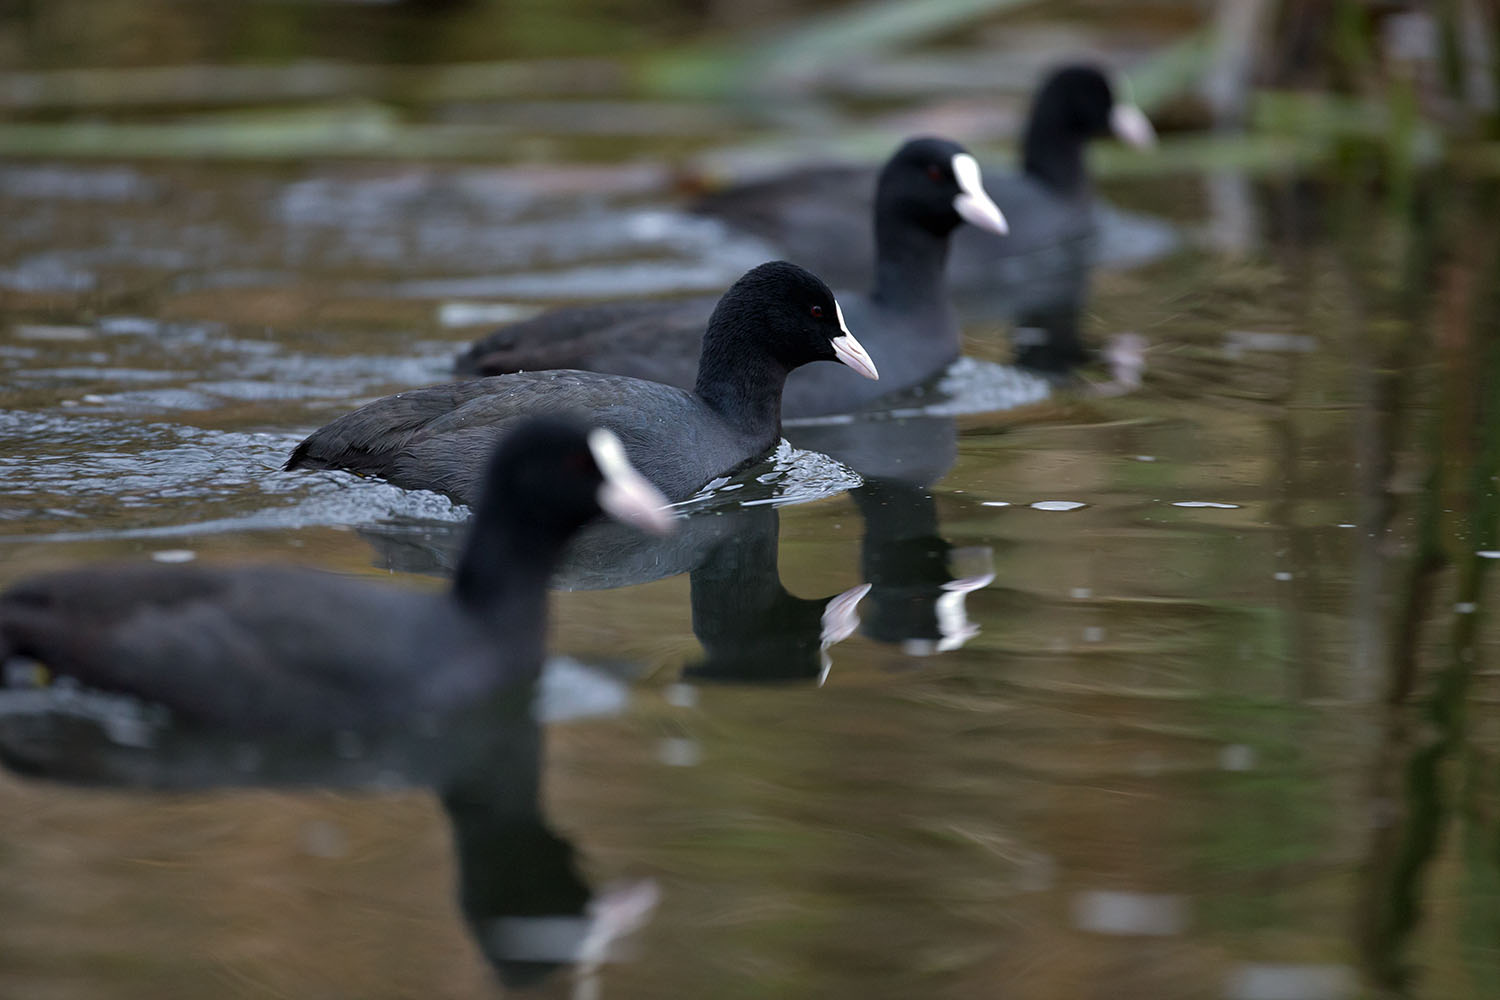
(1182, 688)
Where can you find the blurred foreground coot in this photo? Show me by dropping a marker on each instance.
(774, 319)
(927, 189)
(270, 648)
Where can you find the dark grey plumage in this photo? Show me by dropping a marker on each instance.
(774, 319)
(818, 216)
(905, 322)
(272, 648)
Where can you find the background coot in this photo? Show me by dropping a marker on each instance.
(927, 189)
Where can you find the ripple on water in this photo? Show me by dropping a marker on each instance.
(46, 273)
(200, 367)
(179, 480)
(191, 480)
(59, 183)
(790, 475)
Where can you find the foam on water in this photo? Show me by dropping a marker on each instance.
(789, 475)
(233, 481)
(202, 481)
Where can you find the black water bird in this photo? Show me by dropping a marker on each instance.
(774, 319)
(927, 189)
(274, 648)
(817, 216)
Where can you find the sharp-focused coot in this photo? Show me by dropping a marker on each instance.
(926, 190)
(817, 216)
(774, 319)
(283, 649)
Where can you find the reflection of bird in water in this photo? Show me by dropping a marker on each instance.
(601, 557)
(918, 581)
(751, 628)
(520, 890)
(522, 895)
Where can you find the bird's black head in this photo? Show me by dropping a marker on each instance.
(554, 475)
(935, 185)
(791, 313)
(1074, 105)
(1078, 101)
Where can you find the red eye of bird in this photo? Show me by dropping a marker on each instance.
(934, 171)
(817, 312)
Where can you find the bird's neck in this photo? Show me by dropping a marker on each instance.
(741, 382)
(1054, 155)
(910, 261)
(506, 564)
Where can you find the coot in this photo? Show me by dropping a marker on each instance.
(775, 318)
(817, 216)
(285, 649)
(927, 189)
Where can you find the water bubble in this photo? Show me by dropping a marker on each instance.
(322, 839)
(1130, 913)
(1236, 757)
(452, 314)
(1265, 981)
(679, 751)
(681, 695)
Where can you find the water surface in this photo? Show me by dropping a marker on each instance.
(1179, 689)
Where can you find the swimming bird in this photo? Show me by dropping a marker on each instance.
(774, 319)
(287, 649)
(927, 189)
(818, 216)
